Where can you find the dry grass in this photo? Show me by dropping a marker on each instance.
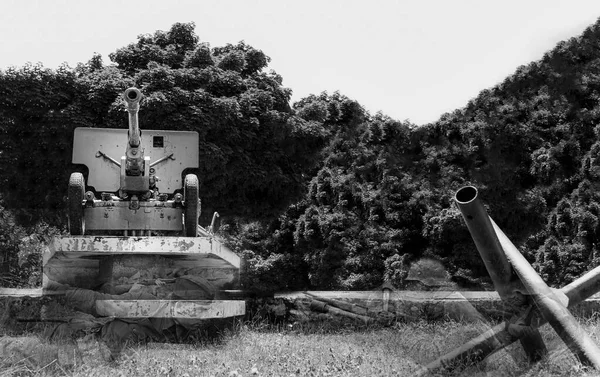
(257, 350)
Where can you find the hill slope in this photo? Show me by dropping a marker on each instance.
(383, 194)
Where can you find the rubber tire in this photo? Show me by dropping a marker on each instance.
(192, 206)
(76, 193)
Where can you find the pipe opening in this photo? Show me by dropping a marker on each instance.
(132, 94)
(466, 194)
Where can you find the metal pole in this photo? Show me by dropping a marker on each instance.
(497, 264)
(473, 351)
(504, 334)
(552, 305)
(583, 288)
(487, 243)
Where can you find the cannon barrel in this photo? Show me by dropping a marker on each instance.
(132, 97)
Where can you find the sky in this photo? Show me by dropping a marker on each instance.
(410, 59)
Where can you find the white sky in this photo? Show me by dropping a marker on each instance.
(411, 59)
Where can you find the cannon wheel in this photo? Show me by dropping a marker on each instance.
(76, 192)
(192, 205)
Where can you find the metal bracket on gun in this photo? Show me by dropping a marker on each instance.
(101, 154)
(162, 159)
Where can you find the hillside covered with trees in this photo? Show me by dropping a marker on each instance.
(321, 194)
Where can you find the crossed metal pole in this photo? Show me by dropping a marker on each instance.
(526, 295)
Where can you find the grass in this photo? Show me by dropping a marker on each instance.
(260, 350)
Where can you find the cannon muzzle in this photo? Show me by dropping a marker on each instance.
(133, 96)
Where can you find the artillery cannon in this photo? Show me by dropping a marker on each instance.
(145, 197)
(133, 222)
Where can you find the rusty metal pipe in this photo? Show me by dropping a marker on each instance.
(487, 242)
(501, 336)
(473, 351)
(583, 287)
(500, 270)
(552, 305)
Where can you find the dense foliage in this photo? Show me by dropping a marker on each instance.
(323, 194)
(383, 194)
